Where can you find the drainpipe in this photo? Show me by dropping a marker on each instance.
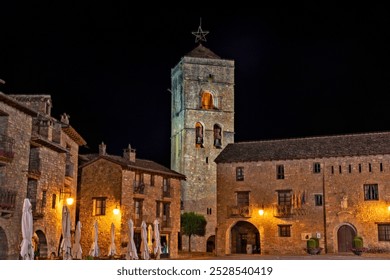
(324, 210)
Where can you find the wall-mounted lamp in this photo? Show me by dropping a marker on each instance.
(388, 208)
(69, 199)
(261, 210)
(116, 210)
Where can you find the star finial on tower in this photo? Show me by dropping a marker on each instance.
(200, 35)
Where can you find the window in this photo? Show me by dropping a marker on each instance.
(152, 180)
(158, 209)
(199, 135)
(360, 168)
(318, 199)
(317, 167)
(166, 187)
(340, 169)
(284, 230)
(242, 199)
(217, 136)
(99, 206)
(350, 168)
(280, 171)
(371, 192)
(369, 167)
(239, 173)
(332, 169)
(381, 167)
(138, 209)
(284, 203)
(209, 212)
(53, 201)
(207, 100)
(383, 232)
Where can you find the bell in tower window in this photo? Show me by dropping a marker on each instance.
(199, 135)
(217, 136)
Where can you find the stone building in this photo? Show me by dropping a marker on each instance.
(38, 160)
(274, 195)
(202, 120)
(141, 190)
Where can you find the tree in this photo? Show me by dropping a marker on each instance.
(192, 224)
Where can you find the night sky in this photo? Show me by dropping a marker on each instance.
(299, 72)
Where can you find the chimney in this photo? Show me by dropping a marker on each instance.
(102, 149)
(129, 154)
(65, 118)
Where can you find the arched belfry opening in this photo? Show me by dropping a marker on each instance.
(199, 135)
(207, 100)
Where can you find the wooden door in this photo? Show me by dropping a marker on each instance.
(345, 236)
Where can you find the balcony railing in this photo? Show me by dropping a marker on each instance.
(34, 166)
(166, 222)
(139, 187)
(283, 211)
(239, 211)
(7, 202)
(38, 208)
(69, 169)
(6, 148)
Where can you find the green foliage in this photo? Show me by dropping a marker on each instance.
(192, 224)
(358, 242)
(311, 243)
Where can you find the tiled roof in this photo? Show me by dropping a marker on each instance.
(202, 52)
(304, 148)
(139, 164)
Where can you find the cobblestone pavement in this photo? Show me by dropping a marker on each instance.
(346, 256)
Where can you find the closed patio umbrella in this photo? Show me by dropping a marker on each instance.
(66, 246)
(157, 243)
(94, 251)
(77, 252)
(131, 249)
(112, 247)
(144, 242)
(27, 250)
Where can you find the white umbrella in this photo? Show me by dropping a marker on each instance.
(27, 251)
(66, 245)
(157, 243)
(144, 242)
(77, 251)
(131, 249)
(112, 247)
(94, 251)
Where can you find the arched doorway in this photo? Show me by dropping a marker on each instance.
(245, 239)
(210, 244)
(345, 236)
(42, 245)
(3, 245)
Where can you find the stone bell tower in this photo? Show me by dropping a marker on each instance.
(202, 119)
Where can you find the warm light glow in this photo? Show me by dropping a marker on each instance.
(116, 211)
(261, 212)
(69, 200)
(388, 207)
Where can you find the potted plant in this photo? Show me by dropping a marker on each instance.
(358, 247)
(313, 246)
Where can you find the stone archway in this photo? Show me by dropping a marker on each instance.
(345, 235)
(245, 239)
(3, 245)
(210, 244)
(42, 244)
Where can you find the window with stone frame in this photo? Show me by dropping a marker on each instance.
(318, 200)
(99, 206)
(317, 167)
(384, 232)
(284, 230)
(280, 171)
(138, 203)
(371, 192)
(239, 173)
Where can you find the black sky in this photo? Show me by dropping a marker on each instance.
(298, 72)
